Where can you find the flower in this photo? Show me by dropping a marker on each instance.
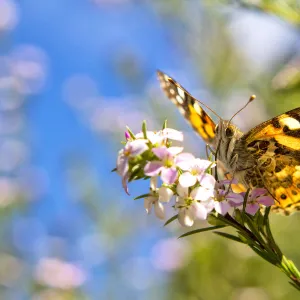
(159, 138)
(195, 171)
(225, 200)
(166, 166)
(255, 198)
(193, 205)
(156, 197)
(127, 135)
(60, 274)
(131, 149)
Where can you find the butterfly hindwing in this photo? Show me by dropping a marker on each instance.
(275, 145)
(189, 107)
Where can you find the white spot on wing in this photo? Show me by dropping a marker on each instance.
(181, 93)
(198, 108)
(181, 109)
(179, 99)
(290, 122)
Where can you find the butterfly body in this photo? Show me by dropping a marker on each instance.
(267, 156)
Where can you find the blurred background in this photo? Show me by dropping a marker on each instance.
(73, 74)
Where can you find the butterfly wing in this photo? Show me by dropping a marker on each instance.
(275, 145)
(189, 107)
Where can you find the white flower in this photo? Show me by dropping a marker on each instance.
(194, 205)
(195, 171)
(159, 138)
(156, 197)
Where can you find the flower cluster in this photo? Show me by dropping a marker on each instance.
(178, 175)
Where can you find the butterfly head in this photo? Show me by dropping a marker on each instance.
(225, 130)
(226, 136)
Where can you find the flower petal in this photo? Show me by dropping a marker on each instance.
(137, 147)
(186, 217)
(222, 207)
(200, 211)
(202, 194)
(183, 192)
(153, 183)
(257, 192)
(165, 194)
(153, 168)
(124, 183)
(203, 164)
(252, 208)
(187, 179)
(207, 180)
(174, 150)
(148, 202)
(209, 205)
(168, 175)
(235, 199)
(184, 160)
(159, 210)
(172, 134)
(266, 200)
(122, 164)
(152, 137)
(161, 152)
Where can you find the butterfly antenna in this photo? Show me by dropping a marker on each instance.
(252, 97)
(209, 108)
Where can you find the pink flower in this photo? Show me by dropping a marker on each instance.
(131, 149)
(127, 136)
(225, 200)
(256, 197)
(166, 166)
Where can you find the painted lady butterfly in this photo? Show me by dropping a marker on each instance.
(267, 156)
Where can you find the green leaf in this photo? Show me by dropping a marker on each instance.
(215, 221)
(239, 216)
(245, 203)
(131, 133)
(141, 196)
(266, 216)
(114, 170)
(228, 221)
(229, 236)
(171, 220)
(253, 228)
(264, 255)
(201, 230)
(164, 124)
(259, 220)
(144, 129)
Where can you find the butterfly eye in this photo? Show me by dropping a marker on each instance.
(229, 132)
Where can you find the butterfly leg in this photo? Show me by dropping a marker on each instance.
(234, 163)
(207, 147)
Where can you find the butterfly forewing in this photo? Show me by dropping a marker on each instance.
(189, 107)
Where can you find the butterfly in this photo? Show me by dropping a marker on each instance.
(267, 156)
